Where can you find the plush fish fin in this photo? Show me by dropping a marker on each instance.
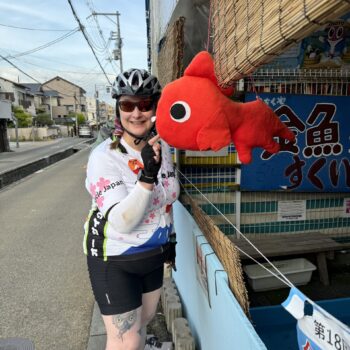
(207, 138)
(202, 66)
(244, 153)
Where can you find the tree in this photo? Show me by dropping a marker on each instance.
(43, 119)
(80, 116)
(24, 119)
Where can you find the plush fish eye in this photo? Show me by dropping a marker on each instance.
(180, 111)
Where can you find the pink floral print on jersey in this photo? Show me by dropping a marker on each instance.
(166, 183)
(102, 183)
(92, 190)
(99, 201)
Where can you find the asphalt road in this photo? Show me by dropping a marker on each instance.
(45, 294)
(30, 151)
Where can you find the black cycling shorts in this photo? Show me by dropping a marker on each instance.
(118, 285)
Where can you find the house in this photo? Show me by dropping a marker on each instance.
(44, 99)
(105, 111)
(12, 93)
(18, 94)
(72, 97)
(91, 109)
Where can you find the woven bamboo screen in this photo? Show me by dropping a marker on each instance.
(225, 250)
(249, 33)
(170, 58)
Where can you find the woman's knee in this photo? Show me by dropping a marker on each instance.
(123, 330)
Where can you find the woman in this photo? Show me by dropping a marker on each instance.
(129, 232)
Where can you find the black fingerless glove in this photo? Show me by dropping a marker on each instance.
(171, 253)
(151, 168)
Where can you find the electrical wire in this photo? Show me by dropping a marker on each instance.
(51, 60)
(36, 80)
(87, 40)
(280, 276)
(100, 32)
(90, 5)
(60, 71)
(23, 72)
(37, 29)
(44, 46)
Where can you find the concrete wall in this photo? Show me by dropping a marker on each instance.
(215, 317)
(26, 134)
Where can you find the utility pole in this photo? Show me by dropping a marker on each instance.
(76, 116)
(117, 52)
(118, 44)
(51, 108)
(97, 108)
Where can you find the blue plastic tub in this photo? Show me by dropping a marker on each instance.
(277, 328)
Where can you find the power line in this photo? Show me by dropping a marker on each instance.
(44, 46)
(29, 76)
(60, 71)
(38, 29)
(13, 65)
(86, 38)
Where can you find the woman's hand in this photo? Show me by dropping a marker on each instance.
(151, 157)
(156, 147)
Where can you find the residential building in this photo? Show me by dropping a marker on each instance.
(102, 114)
(18, 94)
(72, 97)
(91, 109)
(44, 99)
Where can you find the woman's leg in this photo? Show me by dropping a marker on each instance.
(149, 308)
(127, 331)
(124, 331)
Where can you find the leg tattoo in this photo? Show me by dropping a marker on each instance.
(123, 322)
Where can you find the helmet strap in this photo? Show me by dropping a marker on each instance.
(138, 139)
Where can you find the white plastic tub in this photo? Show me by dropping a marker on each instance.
(298, 271)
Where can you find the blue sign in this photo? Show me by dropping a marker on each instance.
(318, 160)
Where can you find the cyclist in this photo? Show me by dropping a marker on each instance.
(129, 233)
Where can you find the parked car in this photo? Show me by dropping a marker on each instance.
(85, 131)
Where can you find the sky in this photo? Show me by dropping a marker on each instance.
(71, 58)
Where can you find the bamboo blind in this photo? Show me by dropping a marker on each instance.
(170, 59)
(249, 33)
(225, 250)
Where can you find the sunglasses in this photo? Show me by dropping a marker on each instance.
(128, 106)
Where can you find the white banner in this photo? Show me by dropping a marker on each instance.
(316, 328)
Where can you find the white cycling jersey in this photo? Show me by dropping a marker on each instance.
(126, 218)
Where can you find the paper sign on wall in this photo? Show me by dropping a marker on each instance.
(291, 210)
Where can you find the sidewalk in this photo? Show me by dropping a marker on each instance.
(33, 156)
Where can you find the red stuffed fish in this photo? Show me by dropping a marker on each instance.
(194, 113)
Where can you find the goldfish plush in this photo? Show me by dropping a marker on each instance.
(194, 113)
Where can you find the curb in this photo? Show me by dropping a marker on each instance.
(177, 325)
(8, 177)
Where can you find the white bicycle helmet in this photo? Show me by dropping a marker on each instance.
(136, 82)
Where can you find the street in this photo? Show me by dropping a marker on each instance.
(29, 151)
(45, 295)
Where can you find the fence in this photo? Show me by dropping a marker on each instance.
(214, 181)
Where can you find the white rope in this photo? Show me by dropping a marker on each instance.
(284, 279)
